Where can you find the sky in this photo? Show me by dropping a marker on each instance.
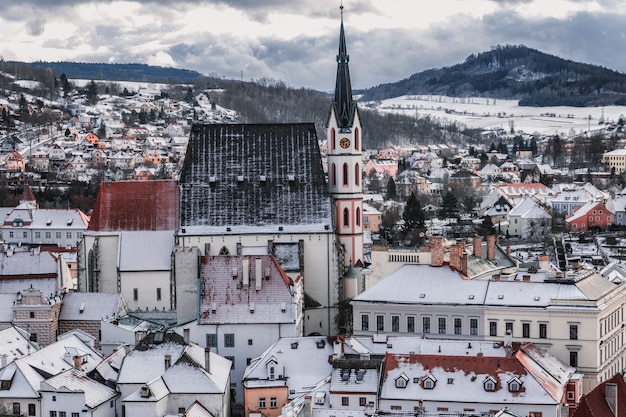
(296, 41)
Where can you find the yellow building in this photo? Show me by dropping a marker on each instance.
(615, 160)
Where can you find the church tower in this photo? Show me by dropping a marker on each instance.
(345, 167)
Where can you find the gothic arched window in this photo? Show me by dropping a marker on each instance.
(357, 174)
(345, 174)
(224, 251)
(332, 139)
(346, 217)
(356, 139)
(358, 216)
(333, 175)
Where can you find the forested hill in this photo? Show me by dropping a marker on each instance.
(515, 72)
(116, 72)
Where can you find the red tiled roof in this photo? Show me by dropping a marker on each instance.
(594, 403)
(136, 206)
(468, 364)
(27, 194)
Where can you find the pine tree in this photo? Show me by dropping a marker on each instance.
(449, 205)
(391, 190)
(413, 216)
(92, 92)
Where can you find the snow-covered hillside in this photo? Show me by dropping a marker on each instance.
(500, 114)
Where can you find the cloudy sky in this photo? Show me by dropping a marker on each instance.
(296, 41)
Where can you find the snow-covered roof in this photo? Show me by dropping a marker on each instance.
(448, 373)
(529, 209)
(89, 306)
(77, 381)
(424, 284)
(254, 175)
(21, 265)
(355, 375)
(15, 343)
(52, 360)
(142, 366)
(299, 363)
(382, 343)
(266, 297)
(110, 366)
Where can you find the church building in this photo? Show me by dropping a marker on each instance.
(245, 190)
(260, 189)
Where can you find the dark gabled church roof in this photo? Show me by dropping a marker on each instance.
(253, 175)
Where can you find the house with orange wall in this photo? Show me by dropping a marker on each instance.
(143, 174)
(372, 218)
(92, 138)
(591, 215)
(286, 370)
(386, 166)
(155, 156)
(15, 162)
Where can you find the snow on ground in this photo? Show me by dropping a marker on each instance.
(30, 84)
(487, 113)
(130, 85)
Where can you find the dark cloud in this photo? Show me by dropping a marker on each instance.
(36, 26)
(377, 55)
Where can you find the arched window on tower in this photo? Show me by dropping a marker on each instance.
(358, 216)
(357, 174)
(345, 174)
(333, 175)
(346, 217)
(356, 139)
(224, 251)
(332, 139)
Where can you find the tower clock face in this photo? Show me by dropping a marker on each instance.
(344, 143)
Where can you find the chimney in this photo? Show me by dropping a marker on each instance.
(126, 348)
(78, 363)
(610, 394)
(491, 247)
(464, 266)
(139, 335)
(455, 257)
(436, 251)
(246, 272)
(168, 362)
(478, 246)
(508, 250)
(3, 360)
(145, 391)
(544, 262)
(186, 336)
(207, 359)
(258, 273)
(508, 342)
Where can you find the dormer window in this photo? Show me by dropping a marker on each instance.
(490, 384)
(515, 385)
(428, 382)
(402, 381)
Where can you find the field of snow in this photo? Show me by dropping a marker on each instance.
(500, 114)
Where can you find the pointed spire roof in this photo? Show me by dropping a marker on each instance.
(343, 103)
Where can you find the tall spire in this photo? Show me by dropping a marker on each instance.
(343, 103)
